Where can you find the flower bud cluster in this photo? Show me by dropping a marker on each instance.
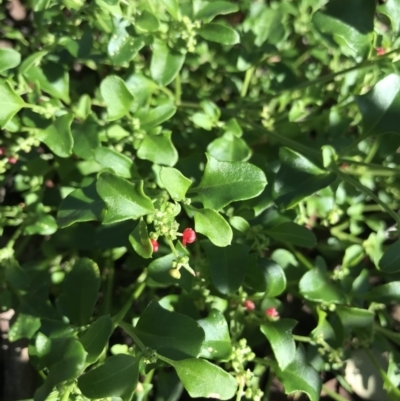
(241, 354)
(164, 221)
(182, 35)
(177, 264)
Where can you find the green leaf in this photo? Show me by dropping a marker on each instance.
(301, 376)
(210, 223)
(82, 204)
(58, 137)
(385, 293)
(219, 33)
(124, 200)
(9, 58)
(10, 103)
(157, 116)
(316, 286)
(96, 338)
(217, 344)
(65, 360)
(42, 224)
(275, 278)
(79, 292)
(229, 148)
(171, 334)
(117, 97)
(147, 22)
(211, 9)
(86, 138)
(391, 8)
(279, 335)
(297, 178)
(158, 271)
(108, 158)
(52, 79)
(227, 266)
(159, 149)
(380, 107)
(292, 233)
(31, 60)
(24, 326)
(172, 6)
(165, 63)
(117, 377)
(123, 46)
(351, 25)
(203, 379)
(140, 241)
(175, 183)
(390, 261)
(352, 318)
(226, 182)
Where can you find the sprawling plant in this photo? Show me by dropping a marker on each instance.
(201, 196)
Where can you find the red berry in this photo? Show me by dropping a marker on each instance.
(272, 312)
(2, 151)
(12, 160)
(154, 244)
(380, 51)
(189, 236)
(249, 305)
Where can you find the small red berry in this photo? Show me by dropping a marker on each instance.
(189, 236)
(272, 312)
(380, 51)
(249, 305)
(12, 160)
(49, 184)
(154, 244)
(2, 151)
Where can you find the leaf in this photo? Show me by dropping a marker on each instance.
(109, 158)
(96, 338)
(172, 6)
(117, 377)
(229, 148)
(279, 335)
(165, 63)
(301, 376)
(214, 8)
(147, 22)
(352, 318)
(292, 233)
(175, 183)
(203, 379)
(124, 200)
(156, 116)
(158, 149)
(9, 58)
(316, 286)
(275, 278)
(42, 224)
(86, 138)
(58, 137)
(123, 46)
(117, 97)
(158, 271)
(297, 178)
(391, 8)
(390, 261)
(24, 326)
(351, 25)
(79, 292)
(51, 78)
(140, 241)
(65, 360)
(226, 182)
(227, 266)
(210, 223)
(82, 204)
(171, 334)
(385, 293)
(217, 344)
(380, 107)
(10, 103)
(219, 33)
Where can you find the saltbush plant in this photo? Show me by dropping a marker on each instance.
(201, 197)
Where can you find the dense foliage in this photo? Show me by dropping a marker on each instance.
(200, 197)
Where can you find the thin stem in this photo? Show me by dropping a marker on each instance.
(302, 339)
(132, 332)
(109, 289)
(247, 80)
(239, 394)
(393, 336)
(178, 90)
(368, 192)
(335, 396)
(301, 258)
(369, 165)
(66, 394)
(173, 249)
(373, 150)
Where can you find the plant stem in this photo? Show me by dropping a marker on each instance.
(332, 394)
(369, 165)
(302, 339)
(66, 394)
(239, 393)
(368, 192)
(178, 90)
(393, 336)
(301, 258)
(173, 249)
(247, 80)
(132, 332)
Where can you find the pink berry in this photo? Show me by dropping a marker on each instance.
(12, 160)
(154, 244)
(2, 151)
(272, 312)
(249, 305)
(189, 236)
(380, 51)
